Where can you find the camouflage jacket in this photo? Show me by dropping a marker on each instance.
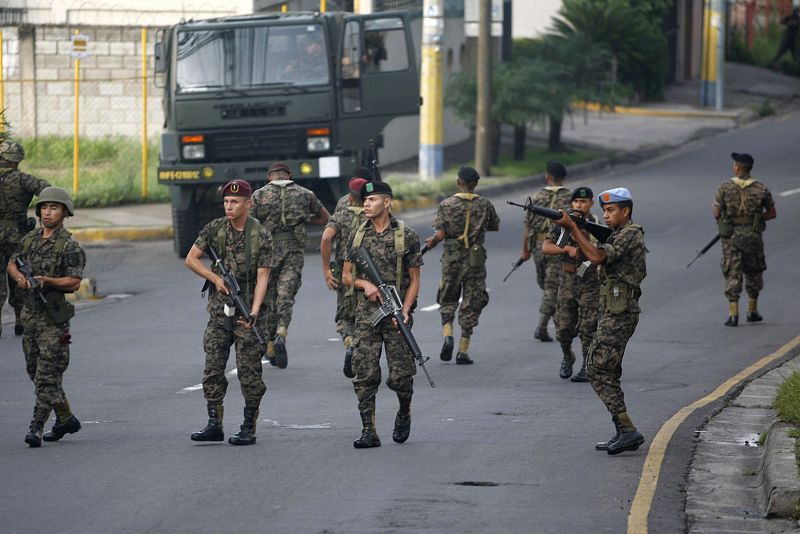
(537, 227)
(451, 218)
(16, 192)
(556, 231)
(40, 256)
(381, 248)
(284, 208)
(743, 203)
(234, 259)
(345, 219)
(626, 263)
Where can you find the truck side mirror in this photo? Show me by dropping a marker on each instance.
(160, 59)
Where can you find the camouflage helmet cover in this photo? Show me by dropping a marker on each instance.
(55, 194)
(11, 151)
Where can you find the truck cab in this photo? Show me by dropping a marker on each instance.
(309, 89)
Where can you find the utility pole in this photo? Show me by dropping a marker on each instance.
(431, 113)
(712, 87)
(483, 112)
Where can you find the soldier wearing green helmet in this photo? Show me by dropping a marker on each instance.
(17, 189)
(56, 263)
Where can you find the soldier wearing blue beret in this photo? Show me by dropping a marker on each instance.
(621, 269)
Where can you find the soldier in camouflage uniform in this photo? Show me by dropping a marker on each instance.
(56, 261)
(462, 222)
(16, 192)
(245, 248)
(284, 208)
(622, 268)
(742, 207)
(578, 290)
(348, 215)
(395, 250)
(536, 228)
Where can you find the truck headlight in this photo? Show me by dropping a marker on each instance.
(193, 147)
(319, 144)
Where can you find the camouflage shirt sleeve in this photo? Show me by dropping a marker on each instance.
(335, 221)
(314, 205)
(265, 258)
(204, 237)
(768, 202)
(718, 199)
(622, 244)
(440, 220)
(31, 184)
(74, 259)
(492, 219)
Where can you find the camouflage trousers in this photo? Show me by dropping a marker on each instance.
(284, 283)
(8, 288)
(576, 310)
(367, 365)
(548, 272)
(217, 343)
(459, 280)
(345, 307)
(743, 257)
(604, 360)
(46, 349)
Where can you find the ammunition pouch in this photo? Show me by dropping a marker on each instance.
(58, 310)
(476, 256)
(724, 227)
(617, 296)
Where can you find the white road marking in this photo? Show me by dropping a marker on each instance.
(230, 374)
(789, 192)
(434, 307)
(334, 339)
(314, 426)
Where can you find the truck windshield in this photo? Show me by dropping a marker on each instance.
(241, 58)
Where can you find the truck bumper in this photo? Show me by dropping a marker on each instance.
(327, 167)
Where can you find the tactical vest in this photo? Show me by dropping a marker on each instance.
(296, 233)
(58, 310)
(399, 249)
(251, 246)
(618, 294)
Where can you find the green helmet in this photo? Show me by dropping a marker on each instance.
(55, 194)
(11, 151)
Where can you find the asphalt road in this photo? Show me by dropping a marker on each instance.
(500, 446)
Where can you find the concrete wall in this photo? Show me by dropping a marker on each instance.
(532, 18)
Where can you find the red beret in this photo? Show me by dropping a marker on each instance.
(356, 183)
(279, 166)
(237, 188)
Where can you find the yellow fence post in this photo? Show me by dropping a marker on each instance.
(144, 112)
(322, 6)
(284, 8)
(2, 87)
(75, 140)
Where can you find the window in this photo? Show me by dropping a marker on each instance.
(385, 45)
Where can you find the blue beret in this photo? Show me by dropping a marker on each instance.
(375, 188)
(612, 196)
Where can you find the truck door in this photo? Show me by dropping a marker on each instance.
(377, 73)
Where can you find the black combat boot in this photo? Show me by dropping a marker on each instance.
(447, 349)
(462, 358)
(733, 320)
(402, 422)
(34, 435)
(369, 437)
(66, 423)
(247, 432)
(603, 445)
(628, 439)
(281, 357)
(581, 376)
(213, 430)
(754, 317)
(565, 371)
(541, 330)
(348, 363)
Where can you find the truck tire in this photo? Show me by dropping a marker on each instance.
(184, 228)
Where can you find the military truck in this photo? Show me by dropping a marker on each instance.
(309, 89)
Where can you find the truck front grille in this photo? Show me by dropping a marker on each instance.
(253, 145)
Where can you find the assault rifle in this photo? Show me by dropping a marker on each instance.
(704, 249)
(598, 231)
(514, 267)
(390, 306)
(25, 268)
(235, 301)
(374, 164)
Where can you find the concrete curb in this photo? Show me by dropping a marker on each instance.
(121, 233)
(778, 478)
(669, 113)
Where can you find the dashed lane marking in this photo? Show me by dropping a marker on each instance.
(643, 500)
(230, 374)
(789, 192)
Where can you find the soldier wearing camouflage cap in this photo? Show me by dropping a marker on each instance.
(56, 262)
(284, 208)
(17, 189)
(462, 221)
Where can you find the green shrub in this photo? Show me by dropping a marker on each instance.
(787, 402)
(765, 45)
